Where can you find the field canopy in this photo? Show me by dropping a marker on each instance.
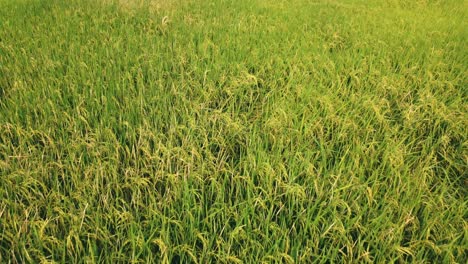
(233, 131)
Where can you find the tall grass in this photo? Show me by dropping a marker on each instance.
(248, 131)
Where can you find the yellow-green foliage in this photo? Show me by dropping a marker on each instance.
(247, 131)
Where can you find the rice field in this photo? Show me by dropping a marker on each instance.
(248, 131)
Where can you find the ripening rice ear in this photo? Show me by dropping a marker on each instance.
(165, 20)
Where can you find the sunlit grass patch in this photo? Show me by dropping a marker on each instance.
(150, 5)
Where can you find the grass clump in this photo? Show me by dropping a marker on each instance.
(233, 131)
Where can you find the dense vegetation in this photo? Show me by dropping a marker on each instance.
(230, 131)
